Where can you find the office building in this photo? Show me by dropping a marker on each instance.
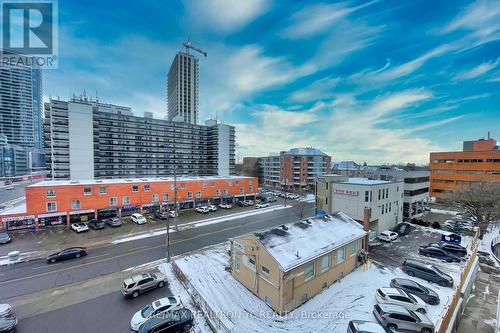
(288, 265)
(14, 160)
(62, 202)
(415, 185)
(21, 106)
(382, 200)
(88, 139)
(295, 170)
(182, 89)
(479, 161)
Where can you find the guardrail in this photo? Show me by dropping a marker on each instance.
(497, 326)
(212, 316)
(449, 310)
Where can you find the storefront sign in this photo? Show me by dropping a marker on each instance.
(87, 211)
(18, 218)
(129, 207)
(346, 192)
(51, 214)
(150, 205)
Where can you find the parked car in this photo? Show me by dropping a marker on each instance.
(395, 317)
(400, 297)
(9, 187)
(165, 214)
(114, 222)
(202, 209)
(426, 272)
(144, 282)
(435, 252)
(138, 218)
(69, 253)
(271, 198)
(175, 321)
(262, 205)
(212, 208)
(388, 236)
(248, 202)
(5, 238)
(225, 206)
(402, 229)
(240, 203)
(96, 224)
(80, 227)
(451, 248)
(8, 321)
(411, 287)
(157, 308)
(363, 326)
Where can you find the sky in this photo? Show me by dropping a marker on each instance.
(376, 81)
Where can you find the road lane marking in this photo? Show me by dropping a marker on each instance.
(127, 254)
(46, 266)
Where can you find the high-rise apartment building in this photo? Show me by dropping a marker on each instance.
(87, 139)
(295, 169)
(21, 106)
(182, 90)
(478, 162)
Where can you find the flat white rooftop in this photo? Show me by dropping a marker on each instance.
(132, 180)
(365, 181)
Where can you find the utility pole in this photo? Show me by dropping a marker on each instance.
(168, 236)
(286, 185)
(176, 210)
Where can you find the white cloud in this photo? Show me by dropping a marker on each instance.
(318, 18)
(223, 15)
(477, 71)
(320, 89)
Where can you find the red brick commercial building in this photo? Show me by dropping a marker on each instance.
(478, 162)
(53, 203)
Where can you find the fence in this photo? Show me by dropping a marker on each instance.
(212, 316)
(449, 310)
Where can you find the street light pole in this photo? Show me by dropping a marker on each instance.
(168, 237)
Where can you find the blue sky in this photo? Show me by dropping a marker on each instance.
(377, 81)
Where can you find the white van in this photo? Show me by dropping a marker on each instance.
(138, 218)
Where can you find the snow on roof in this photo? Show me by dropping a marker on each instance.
(131, 180)
(365, 181)
(300, 242)
(305, 151)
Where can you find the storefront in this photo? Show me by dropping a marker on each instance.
(228, 199)
(215, 201)
(19, 222)
(150, 208)
(186, 204)
(81, 215)
(107, 213)
(201, 202)
(52, 220)
(167, 206)
(129, 210)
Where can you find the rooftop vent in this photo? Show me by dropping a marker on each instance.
(297, 254)
(308, 221)
(284, 227)
(74, 182)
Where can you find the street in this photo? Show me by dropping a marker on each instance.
(90, 285)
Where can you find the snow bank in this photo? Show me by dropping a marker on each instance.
(352, 297)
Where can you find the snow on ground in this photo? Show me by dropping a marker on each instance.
(200, 223)
(200, 324)
(444, 211)
(352, 297)
(492, 232)
(308, 198)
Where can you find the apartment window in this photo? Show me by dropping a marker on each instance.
(205, 185)
(265, 270)
(250, 182)
(309, 270)
(155, 198)
(51, 206)
(183, 185)
(268, 300)
(125, 200)
(165, 197)
(382, 210)
(102, 190)
(386, 192)
(340, 256)
(113, 201)
(379, 194)
(51, 193)
(75, 204)
(326, 201)
(190, 195)
(229, 183)
(242, 190)
(390, 207)
(237, 182)
(250, 189)
(147, 187)
(251, 263)
(217, 193)
(325, 263)
(226, 192)
(212, 184)
(353, 248)
(237, 264)
(198, 194)
(135, 188)
(367, 196)
(87, 191)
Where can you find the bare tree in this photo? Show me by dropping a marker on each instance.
(479, 199)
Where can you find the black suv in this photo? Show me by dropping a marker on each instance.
(427, 272)
(428, 295)
(451, 248)
(175, 321)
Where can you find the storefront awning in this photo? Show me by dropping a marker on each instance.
(18, 218)
(51, 214)
(85, 211)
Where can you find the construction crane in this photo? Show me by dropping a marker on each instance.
(188, 46)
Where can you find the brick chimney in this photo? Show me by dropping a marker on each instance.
(366, 226)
